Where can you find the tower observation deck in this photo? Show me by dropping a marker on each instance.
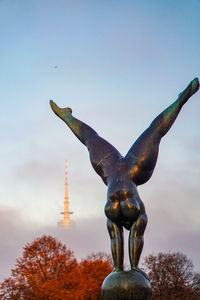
(66, 221)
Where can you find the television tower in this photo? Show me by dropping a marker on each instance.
(66, 222)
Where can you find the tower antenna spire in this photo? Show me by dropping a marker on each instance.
(66, 221)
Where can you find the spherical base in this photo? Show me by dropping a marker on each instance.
(126, 285)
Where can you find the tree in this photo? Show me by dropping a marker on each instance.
(93, 271)
(172, 277)
(47, 270)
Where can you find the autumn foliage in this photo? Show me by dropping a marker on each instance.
(48, 270)
(93, 271)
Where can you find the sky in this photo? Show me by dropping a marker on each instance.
(117, 64)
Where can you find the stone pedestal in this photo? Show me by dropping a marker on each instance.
(126, 285)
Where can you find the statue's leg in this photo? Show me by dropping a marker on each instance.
(117, 244)
(144, 151)
(164, 121)
(136, 240)
(102, 154)
(80, 129)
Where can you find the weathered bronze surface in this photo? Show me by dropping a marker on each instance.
(122, 175)
(126, 285)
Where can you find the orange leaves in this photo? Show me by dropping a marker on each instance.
(93, 271)
(48, 270)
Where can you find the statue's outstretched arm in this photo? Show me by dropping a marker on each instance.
(143, 154)
(102, 154)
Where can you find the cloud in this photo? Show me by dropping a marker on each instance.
(13, 236)
(166, 232)
(172, 204)
(33, 171)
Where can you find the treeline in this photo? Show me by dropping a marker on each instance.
(48, 270)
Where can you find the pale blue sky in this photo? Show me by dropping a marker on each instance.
(117, 64)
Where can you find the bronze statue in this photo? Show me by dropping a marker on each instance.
(122, 175)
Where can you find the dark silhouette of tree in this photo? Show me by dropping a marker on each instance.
(48, 270)
(172, 277)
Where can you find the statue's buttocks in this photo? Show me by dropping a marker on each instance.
(123, 209)
(123, 204)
